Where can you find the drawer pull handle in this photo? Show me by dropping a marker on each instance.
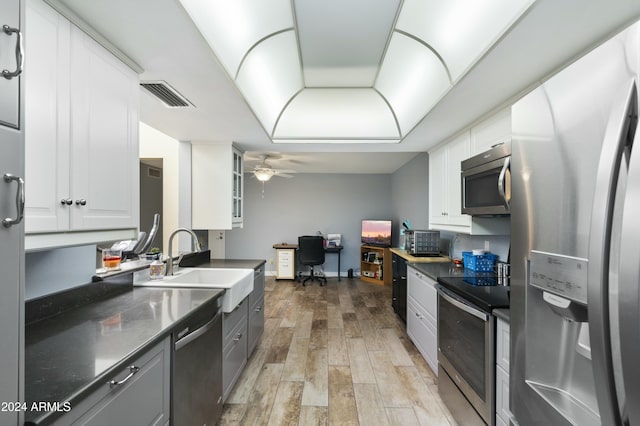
(237, 337)
(132, 371)
(259, 308)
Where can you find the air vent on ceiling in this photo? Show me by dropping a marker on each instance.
(167, 94)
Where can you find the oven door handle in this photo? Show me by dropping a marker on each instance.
(468, 309)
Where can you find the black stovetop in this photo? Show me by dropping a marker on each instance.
(480, 289)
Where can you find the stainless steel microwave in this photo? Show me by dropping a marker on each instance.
(486, 182)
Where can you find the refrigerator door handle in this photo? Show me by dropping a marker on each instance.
(615, 143)
(629, 291)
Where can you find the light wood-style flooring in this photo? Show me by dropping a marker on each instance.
(335, 355)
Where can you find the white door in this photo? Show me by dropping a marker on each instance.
(11, 238)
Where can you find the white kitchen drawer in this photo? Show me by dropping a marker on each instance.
(422, 289)
(502, 395)
(423, 334)
(501, 422)
(502, 344)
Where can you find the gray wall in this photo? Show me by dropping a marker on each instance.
(410, 195)
(305, 204)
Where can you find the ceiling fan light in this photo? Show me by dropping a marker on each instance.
(263, 175)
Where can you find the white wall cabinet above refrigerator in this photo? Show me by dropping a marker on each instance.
(81, 130)
(217, 186)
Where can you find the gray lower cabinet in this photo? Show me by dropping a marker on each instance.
(142, 398)
(256, 311)
(234, 346)
(241, 330)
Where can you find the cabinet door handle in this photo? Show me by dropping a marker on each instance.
(132, 371)
(258, 309)
(66, 202)
(7, 222)
(81, 202)
(237, 337)
(19, 56)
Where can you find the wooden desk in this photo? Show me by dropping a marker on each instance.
(285, 248)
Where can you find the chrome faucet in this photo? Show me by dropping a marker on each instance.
(196, 244)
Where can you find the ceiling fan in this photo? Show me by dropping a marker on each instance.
(263, 172)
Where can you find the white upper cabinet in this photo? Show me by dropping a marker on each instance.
(217, 186)
(445, 197)
(493, 131)
(81, 130)
(444, 190)
(104, 137)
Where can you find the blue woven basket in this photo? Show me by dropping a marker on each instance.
(479, 263)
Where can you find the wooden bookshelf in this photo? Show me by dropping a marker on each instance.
(375, 261)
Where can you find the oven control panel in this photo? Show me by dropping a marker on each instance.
(565, 276)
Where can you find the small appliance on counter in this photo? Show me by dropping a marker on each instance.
(422, 243)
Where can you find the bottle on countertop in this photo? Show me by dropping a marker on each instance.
(156, 269)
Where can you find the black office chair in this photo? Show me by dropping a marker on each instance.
(311, 253)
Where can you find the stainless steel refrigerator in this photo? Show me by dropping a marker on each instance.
(575, 241)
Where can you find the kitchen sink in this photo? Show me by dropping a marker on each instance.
(238, 283)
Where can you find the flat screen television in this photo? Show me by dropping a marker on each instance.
(376, 233)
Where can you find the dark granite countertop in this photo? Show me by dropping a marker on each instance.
(503, 314)
(70, 354)
(460, 280)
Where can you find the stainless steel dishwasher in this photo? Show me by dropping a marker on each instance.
(197, 370)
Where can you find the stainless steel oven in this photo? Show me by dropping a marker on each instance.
(486, 182)
(466, 359)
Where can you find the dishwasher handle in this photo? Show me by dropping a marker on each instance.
(180, 343)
